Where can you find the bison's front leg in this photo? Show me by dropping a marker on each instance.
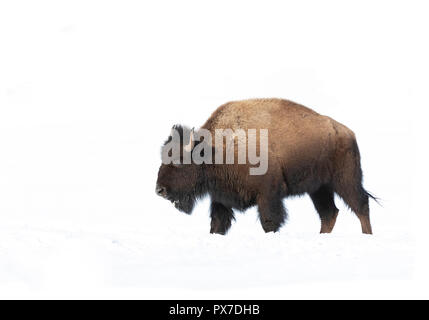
(221, 218)
(271, 213)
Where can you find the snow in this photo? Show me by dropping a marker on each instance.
(89, 92)
(131, 255)
(51, 258)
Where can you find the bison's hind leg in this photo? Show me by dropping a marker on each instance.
(349, 188)
(347, 183)
(323, 200)
(221, 218)
(357, 199)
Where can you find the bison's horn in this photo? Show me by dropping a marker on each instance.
(190, 145)
(173, 130)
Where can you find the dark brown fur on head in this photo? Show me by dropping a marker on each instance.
(180, 183)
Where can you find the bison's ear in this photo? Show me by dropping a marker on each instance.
(190, 145)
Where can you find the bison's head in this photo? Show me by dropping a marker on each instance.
(178, 181)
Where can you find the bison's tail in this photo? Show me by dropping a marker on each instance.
(372, 196)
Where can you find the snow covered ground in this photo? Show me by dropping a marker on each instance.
(89, 90)
(182, 262)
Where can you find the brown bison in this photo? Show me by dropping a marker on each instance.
(307, 153)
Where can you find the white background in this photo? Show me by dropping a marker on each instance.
(90, 89)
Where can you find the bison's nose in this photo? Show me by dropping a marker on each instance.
(161, 191)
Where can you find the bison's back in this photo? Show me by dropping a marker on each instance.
(255, 114)
(294, 131)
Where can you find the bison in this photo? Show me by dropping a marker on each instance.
(307, 153)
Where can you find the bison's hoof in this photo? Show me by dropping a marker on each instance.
(270, 226)
(218, 232)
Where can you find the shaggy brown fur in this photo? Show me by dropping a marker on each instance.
(308, 153)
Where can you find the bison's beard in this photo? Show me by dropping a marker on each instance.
(184, 204)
